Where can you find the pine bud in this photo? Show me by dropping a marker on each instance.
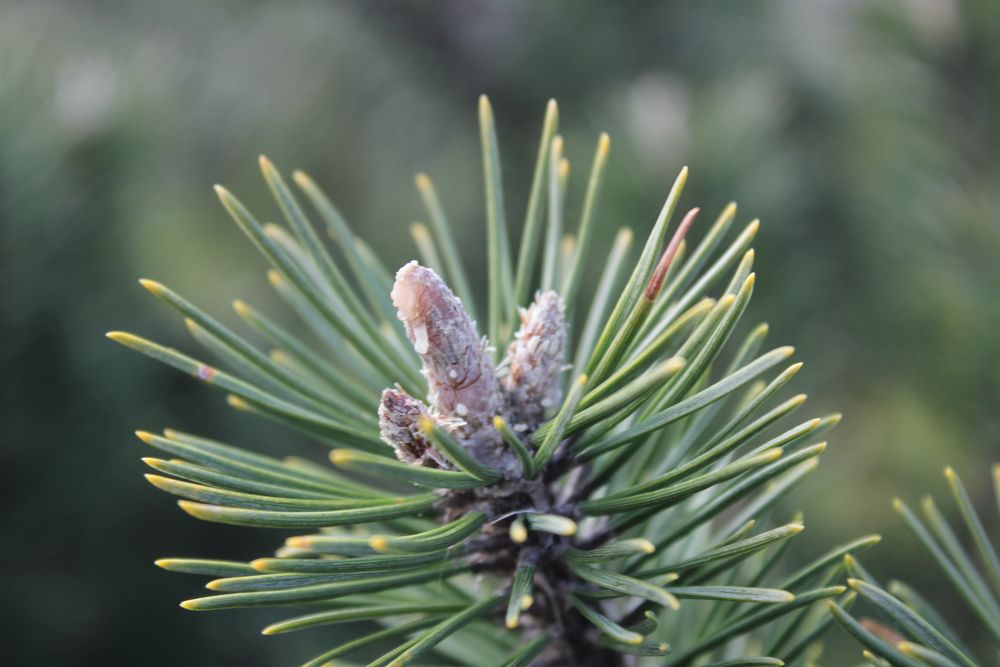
(461, 380)
(399, 417)
(535, 360)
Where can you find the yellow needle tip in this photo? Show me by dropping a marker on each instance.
(518, 533)
(122, 337)
(426, 423)
(260, 564)
(339, 457)
(484, 103)
(673, 364)
(237, 403)
(159, 481)
(151, 285)
(604, 143)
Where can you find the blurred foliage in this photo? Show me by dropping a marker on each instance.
(863, 134)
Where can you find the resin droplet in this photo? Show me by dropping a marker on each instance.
(420, 342)
(535, 359)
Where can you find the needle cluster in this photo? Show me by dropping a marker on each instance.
(588, 475)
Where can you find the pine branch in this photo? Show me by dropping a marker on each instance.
(586, 508)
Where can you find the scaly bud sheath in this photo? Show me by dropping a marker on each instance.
(535, 359)
(399, 417)
(460, 376)
(461, 381)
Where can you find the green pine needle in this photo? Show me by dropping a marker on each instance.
(483, 504)
(927, 639)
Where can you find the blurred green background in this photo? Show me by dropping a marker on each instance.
(863, 134)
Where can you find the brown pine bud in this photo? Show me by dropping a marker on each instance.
(399, 417)
(461, 380)
(534, 360)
